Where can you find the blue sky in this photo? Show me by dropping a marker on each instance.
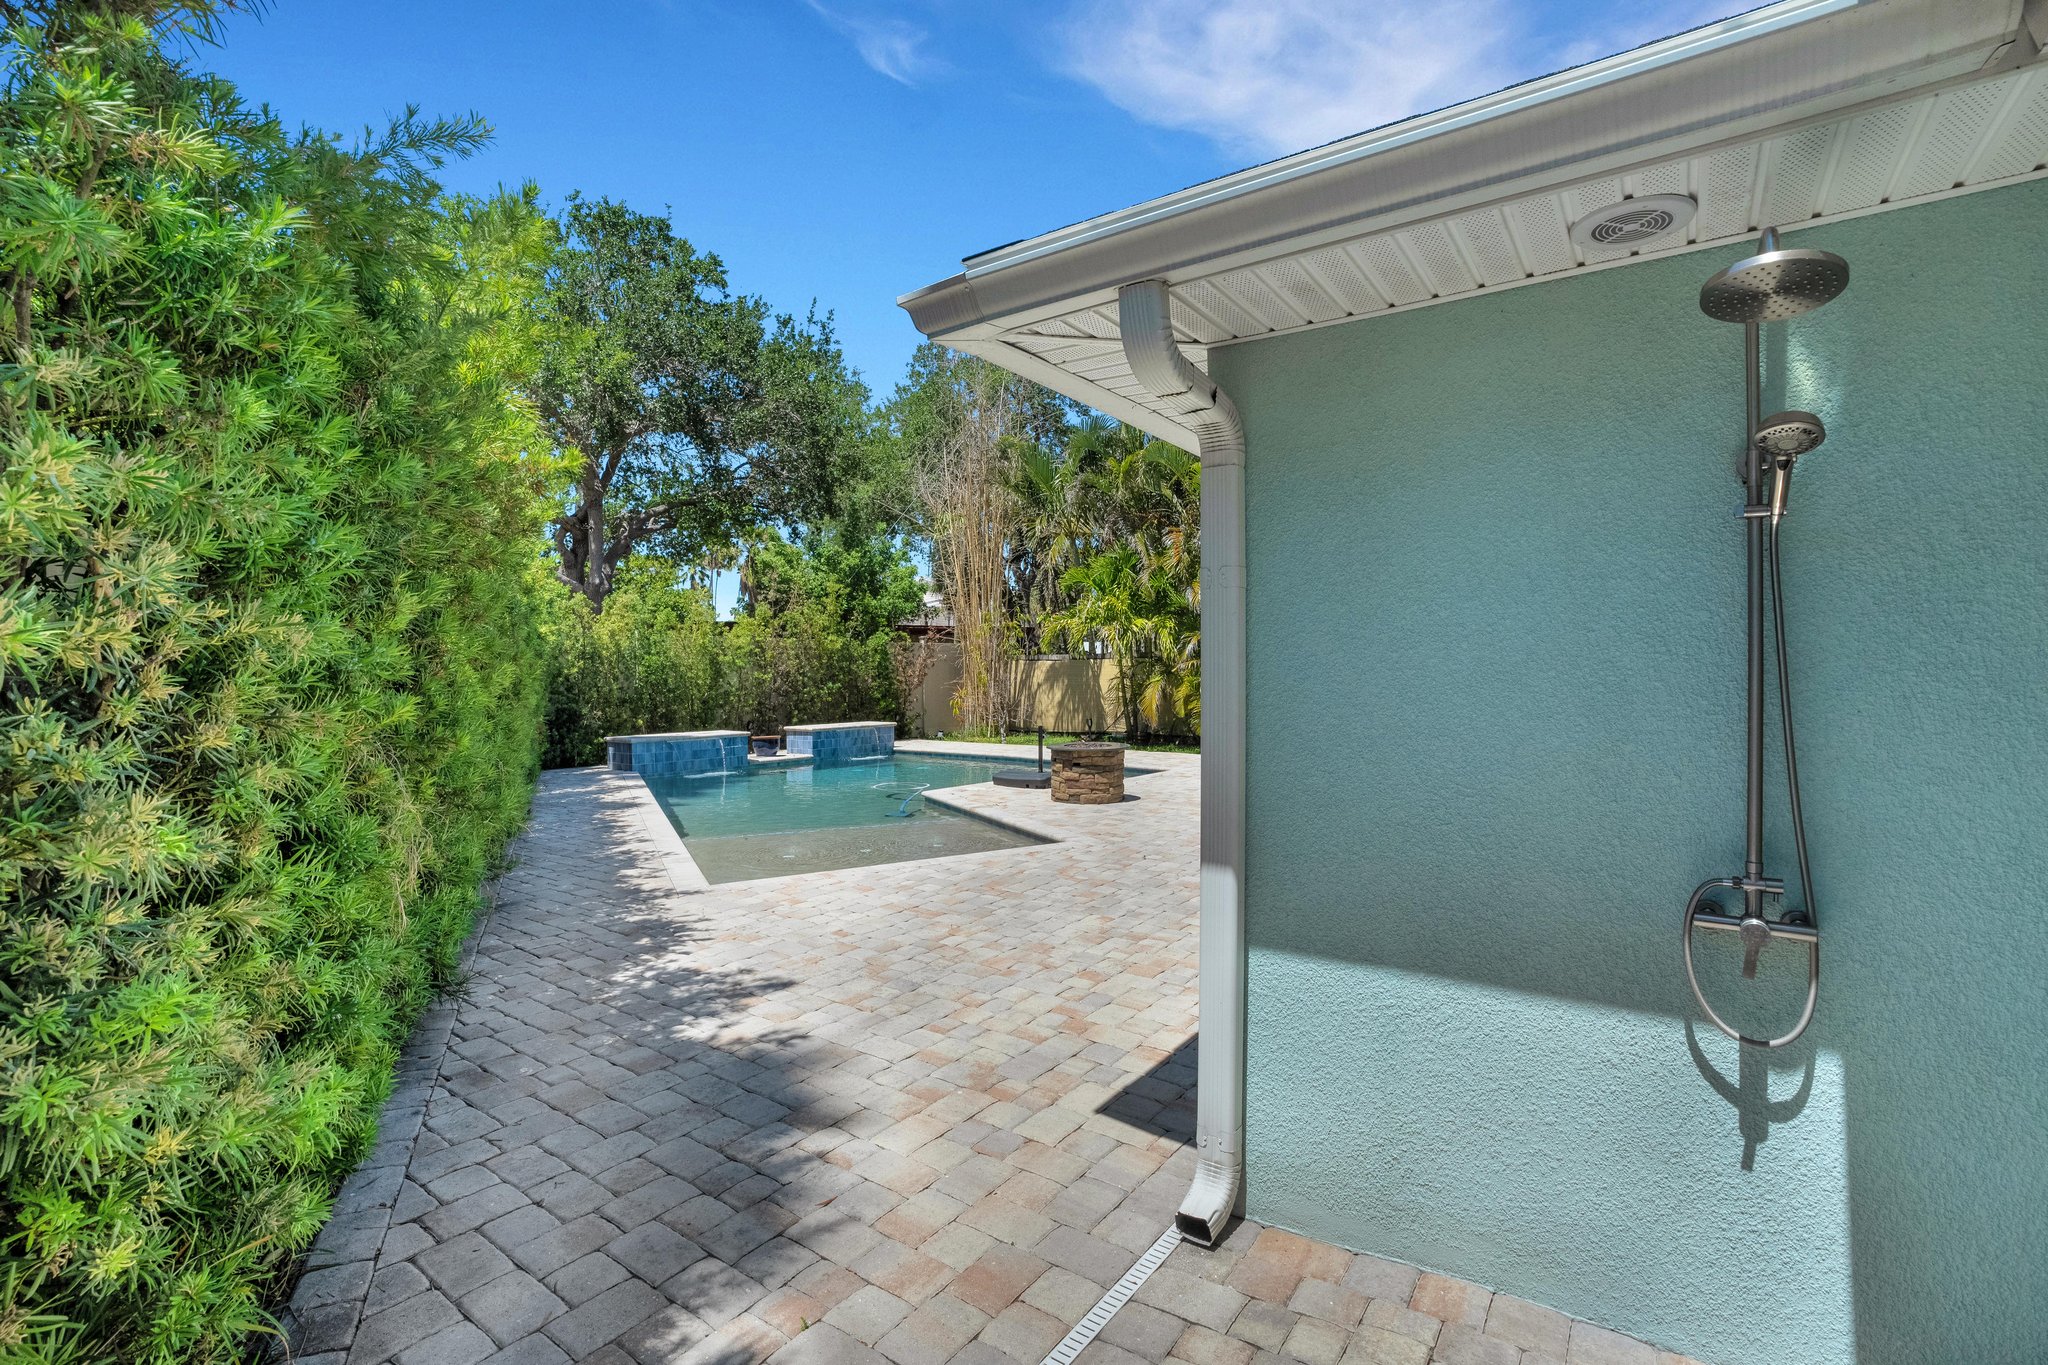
(848, 151)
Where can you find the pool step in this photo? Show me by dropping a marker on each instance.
(781, 761)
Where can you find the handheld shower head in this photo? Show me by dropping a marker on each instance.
(1788, 435)
(1774, 285)
(1782, 438)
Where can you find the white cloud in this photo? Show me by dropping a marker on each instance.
(1268, 77)
(894, 47)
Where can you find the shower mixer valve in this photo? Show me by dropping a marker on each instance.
(1774, 285)
(1754, 932)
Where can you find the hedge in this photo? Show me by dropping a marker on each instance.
(657, 659)
(269, 678)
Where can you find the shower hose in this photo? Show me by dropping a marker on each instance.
(1806, 911)
(1804, 915)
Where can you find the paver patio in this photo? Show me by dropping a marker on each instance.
(915, 1113)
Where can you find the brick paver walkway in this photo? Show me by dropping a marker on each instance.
(897, 1115)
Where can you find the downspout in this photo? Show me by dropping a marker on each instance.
(1155, 358)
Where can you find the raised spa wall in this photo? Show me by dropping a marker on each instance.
(687, 753)
(844, 740)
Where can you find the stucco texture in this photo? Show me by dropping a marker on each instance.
(1496, 701)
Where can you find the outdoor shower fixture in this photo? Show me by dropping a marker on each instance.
(1774, 285)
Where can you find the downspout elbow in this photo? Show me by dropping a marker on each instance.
(1212, 1198)
(1146, 324)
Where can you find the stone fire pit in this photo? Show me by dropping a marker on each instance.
(1088, 773)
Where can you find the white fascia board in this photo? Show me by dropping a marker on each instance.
(1544, 90)
(961, 293)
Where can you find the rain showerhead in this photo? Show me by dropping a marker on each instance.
(1788, 435)
(1774, 285)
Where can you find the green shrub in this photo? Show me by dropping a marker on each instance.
(651, 662)
(803, 666)
(269, 677)
(657, 659)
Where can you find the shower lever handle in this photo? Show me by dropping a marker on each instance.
(1754, 931)
(1755, 934)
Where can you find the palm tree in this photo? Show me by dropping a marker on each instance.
(1147, 622)
(1103, 613)
(1107, 556)
(714, 560)
(1048, 535)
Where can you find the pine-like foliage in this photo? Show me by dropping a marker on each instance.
(268, 678)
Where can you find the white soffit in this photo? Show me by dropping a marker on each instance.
(1967, 135)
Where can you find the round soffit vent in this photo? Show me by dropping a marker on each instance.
(1633, 221)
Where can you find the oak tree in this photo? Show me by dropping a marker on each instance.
(689, 414)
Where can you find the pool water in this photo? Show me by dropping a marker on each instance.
(777, 821)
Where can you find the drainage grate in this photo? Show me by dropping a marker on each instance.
(1119, 1294)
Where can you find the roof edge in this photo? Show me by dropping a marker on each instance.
(1542, 90)
(1767, 65)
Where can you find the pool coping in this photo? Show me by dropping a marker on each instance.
(676, 863)
(684, 874)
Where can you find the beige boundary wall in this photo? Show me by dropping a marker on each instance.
(1065, 694)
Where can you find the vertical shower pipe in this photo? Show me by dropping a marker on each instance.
(1752, 480)
(1145, 321)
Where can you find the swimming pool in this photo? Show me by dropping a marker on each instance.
(778, 821)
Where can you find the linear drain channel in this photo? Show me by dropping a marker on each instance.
(1119, 1294)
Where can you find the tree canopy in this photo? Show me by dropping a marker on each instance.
(688, 413)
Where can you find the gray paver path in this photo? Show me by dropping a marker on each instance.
(916, 1113)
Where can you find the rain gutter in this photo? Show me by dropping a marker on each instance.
(1642, 61)
(1782, 64)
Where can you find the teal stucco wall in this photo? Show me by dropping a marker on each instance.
(1495, 739)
